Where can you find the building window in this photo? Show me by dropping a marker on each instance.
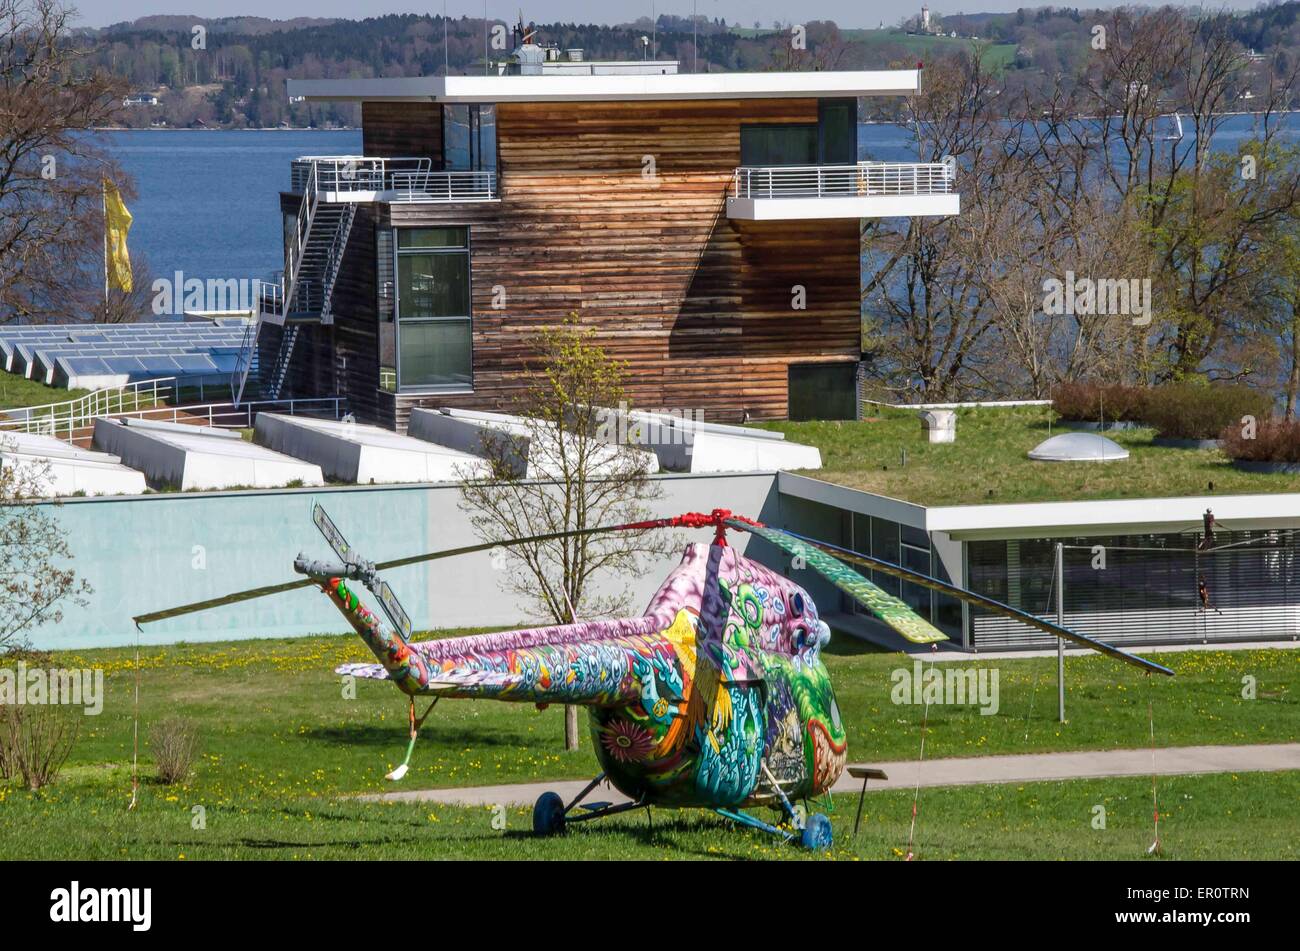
(469, 137)
(831, 140)
(778, 144)
(821, 391)
(433, 309)
(838, 127)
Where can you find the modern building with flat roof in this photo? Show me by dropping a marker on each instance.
(706, 226)
(1133, 567)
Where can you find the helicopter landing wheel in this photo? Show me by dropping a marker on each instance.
(817, 835)
(548, 814)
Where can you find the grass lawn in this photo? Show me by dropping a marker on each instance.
(17, 392)
(281, 747)
(1222, 816)
(989, 461)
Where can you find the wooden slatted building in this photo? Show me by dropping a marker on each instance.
(707, 226)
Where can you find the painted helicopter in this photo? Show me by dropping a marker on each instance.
(716, 697)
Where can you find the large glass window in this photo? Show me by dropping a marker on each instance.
(778, 144)
(433, 308)
(469, 137)
(916, 596)
(838, 119)
(831, 140)
(884, 545)
(821, 391)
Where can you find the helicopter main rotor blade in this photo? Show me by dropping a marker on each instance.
(235, 598)
(782, 540)
(253, 593)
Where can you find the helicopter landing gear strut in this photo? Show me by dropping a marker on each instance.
(551, 816)
(416, 723)
(813, 833)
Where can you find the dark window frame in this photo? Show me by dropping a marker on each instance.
(465, 249)
(819, 130)
(474, 125)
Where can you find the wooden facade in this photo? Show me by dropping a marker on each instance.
(615, 211)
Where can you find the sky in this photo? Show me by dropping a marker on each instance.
(847, 13)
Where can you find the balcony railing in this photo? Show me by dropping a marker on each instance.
(842, 181)
(360, 178)
(444, 186)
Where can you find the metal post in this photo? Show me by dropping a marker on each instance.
(1060, 641)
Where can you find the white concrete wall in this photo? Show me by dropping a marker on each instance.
(187, 547)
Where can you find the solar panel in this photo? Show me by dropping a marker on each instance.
(137, 351)
(122, 364)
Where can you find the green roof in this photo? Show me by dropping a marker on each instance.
(989, 461)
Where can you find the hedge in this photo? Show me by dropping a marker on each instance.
(1187, 411)
(1174, 410)
(1274, 441)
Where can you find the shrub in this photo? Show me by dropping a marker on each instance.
(1274, 441)
(174, 742)
(36, 740)
(1091, 402)
(1187, 411)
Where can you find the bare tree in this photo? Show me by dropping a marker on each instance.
(576, 478)
(35, 580)
(925, 318)
(51, 168)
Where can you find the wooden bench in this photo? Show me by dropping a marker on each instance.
(863, 773)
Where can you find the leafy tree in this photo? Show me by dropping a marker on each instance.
(589, 481)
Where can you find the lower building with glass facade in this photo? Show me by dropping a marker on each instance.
(1136, 571)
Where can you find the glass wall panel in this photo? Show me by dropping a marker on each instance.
(434, 327)
(435, 353)
(778, 145)
(839, 131)
(432, 285)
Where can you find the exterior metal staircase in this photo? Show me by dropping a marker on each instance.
(280, 370)
(313, 256)
(304, 293)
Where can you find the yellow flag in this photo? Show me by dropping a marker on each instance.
(117, 222)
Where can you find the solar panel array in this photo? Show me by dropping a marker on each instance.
(74, 354)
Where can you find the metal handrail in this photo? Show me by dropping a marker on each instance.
(247, 350)
(358, 173)
(306, 212)
(229, 416)
(49, 419)
(334, 259)
(444, 186)
(401, 179)
(842, 181)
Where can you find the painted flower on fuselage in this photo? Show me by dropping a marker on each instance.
(626, 741)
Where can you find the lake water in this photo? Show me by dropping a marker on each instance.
(208, 200)
(208, 205)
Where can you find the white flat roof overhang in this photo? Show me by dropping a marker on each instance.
(1055, 519)
(852, 206)
(811, 85)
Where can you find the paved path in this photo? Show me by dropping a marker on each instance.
(1029, 767)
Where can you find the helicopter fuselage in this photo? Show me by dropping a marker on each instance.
(679, 716)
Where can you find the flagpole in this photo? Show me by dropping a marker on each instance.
(103, 196)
